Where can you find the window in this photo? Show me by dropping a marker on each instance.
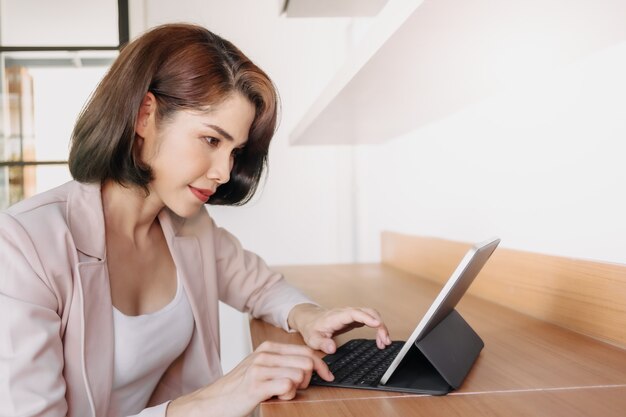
(43, 86)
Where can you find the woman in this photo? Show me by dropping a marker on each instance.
(110, 286)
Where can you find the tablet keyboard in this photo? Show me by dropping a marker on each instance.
(359, 363)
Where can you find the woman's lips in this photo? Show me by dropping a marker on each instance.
(202, 194)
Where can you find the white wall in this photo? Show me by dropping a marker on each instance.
(540, 165)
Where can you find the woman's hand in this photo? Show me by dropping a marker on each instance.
(273, 369)
(318, 325)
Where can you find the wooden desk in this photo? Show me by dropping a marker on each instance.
(527, 368)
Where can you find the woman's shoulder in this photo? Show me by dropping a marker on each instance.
(35, 242)
(47, 215)
(44, 203)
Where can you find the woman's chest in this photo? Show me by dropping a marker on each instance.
(142, 279)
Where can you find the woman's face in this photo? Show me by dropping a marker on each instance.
(192, 153)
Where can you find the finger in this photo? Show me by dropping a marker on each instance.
(284, 349)
(263, 378)
(373, 318)
(319, 365)
(302, 363)
(320, 342)
(299, 378)
(343, 318)
(290, 395)
(382, 335)
(283, 388)
(374, 313)
(262, 374)
(322, 370)
(382, 341)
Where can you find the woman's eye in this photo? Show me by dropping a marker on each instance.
(211, 140)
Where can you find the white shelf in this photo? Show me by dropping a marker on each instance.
(332, 8)
(424, 60)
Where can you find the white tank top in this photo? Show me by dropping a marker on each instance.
(145, 346)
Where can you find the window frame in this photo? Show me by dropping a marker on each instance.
(123, 38)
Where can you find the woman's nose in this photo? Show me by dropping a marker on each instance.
(221, 165)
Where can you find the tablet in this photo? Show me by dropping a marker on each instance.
(448, 297)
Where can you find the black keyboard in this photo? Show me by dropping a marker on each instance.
(358, 363)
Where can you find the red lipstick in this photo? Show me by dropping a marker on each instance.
(202, 194)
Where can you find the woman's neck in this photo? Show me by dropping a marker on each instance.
(128, 212)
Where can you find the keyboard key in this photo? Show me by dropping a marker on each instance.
(359, 362)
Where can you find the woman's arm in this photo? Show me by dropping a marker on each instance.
(273, 369)
(31, 350)
(248, 284)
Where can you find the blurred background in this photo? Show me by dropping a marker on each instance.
(447, 118)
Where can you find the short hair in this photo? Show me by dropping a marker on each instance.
(186, 67)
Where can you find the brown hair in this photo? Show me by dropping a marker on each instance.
(185, 67)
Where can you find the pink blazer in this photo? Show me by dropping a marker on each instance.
(56, 317)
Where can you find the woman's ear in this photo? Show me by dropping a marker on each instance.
(146, 116)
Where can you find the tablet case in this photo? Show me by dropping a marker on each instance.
(439, 362)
